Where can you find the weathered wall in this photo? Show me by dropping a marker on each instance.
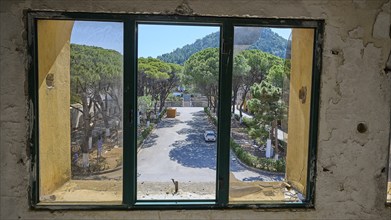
(54, 102)
(299, 107)
(351, 179)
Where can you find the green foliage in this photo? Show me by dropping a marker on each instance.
(144, 134)
(248, 122)
(267, 106)
(271, 42)
(247, 158)
(266, 41)
(75, 98)
(180, 55)
(162, 113)
(276, 76)
(146, 131)
(240, 66)
(94, 72)
(92, 69)
(239, 71)
(260, 63)
(157, 79)
(212, 118)
(173, 98)
(153, 68)
(202, 69)
(90, 64)
(144, 103)
(201, 72)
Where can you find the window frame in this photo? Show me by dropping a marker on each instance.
(130, 22)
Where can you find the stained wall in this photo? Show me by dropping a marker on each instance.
(300, 89)
(54, 101)
(351, 176)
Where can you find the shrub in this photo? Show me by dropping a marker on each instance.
(267, 164)
(248, 122)
(146, 131)
(162, 113)
(213, 118)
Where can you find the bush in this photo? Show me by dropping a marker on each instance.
(144, 134)
(248, 122)
(213, 118)
(267, 164)
(146, 131)
(162, 113)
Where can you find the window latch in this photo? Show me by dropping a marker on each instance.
(131, 116)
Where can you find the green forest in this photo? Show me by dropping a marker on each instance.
(266, 40)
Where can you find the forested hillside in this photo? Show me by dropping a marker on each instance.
(180, 55)
(268, 41)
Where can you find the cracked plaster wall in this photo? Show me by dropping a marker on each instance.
(351, 181)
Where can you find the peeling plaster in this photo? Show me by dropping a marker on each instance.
(184, 8)
(360, 3)
(381, 28)
(356, 33)
(354, 88)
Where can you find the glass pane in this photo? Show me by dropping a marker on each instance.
(271, 87)
(178, 69)
(80, 84)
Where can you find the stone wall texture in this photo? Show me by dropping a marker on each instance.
(351, 167)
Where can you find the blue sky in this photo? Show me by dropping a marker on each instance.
(108, 35)
(154, 40)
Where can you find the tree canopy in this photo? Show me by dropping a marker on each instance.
(94, 72)
(201, 72)
(268, 108)
(90, 64)
(157, 79)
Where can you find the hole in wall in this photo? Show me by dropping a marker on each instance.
(50, 80)
(362, 127)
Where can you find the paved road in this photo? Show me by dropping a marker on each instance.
(176, 150)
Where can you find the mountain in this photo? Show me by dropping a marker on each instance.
(271, 42)
(180, 55)
(263, 39)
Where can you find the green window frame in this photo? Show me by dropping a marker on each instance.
(130, 22)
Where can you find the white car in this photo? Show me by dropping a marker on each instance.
(210, 136)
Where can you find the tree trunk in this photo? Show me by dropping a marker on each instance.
(215, 98)
(162, 102)
(103, 109)
(235, 92)
(241, 108)
(275, 127)
(155, 107)
(243, 100)
(87, 130)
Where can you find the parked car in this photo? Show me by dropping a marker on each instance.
(210, 136)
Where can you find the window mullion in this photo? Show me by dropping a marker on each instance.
(130, 106)
(224, 116)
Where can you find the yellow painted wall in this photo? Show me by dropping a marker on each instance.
(298, 121)
(54, 102)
